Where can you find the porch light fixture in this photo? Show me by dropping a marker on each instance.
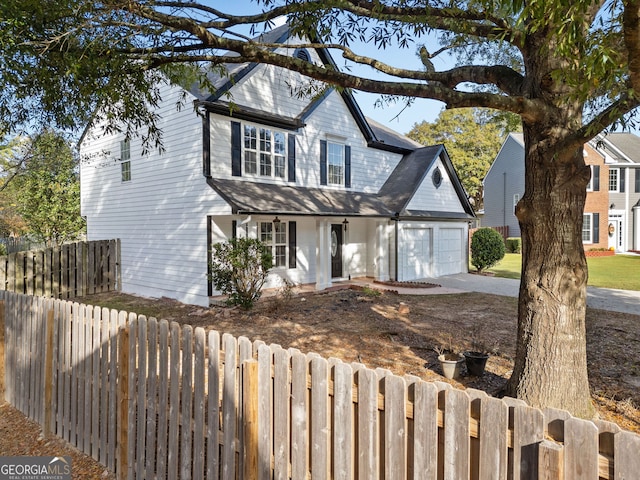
(276, 221)
(612, 206)
(344, 224)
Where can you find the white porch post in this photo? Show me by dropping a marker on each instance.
(323, 254)
(382, 251)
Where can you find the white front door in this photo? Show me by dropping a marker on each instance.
(615, 231)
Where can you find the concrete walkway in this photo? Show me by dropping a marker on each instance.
(625, 301)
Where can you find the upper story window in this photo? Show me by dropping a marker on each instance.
(516, 199)
(125, 160)
(614, 179)
(335, 163)
(264, 152)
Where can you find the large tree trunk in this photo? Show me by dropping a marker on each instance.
(551, 364)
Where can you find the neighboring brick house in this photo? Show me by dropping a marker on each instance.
(504, 187)
(622, 157)
(596, 208)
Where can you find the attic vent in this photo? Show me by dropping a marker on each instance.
(303, 55)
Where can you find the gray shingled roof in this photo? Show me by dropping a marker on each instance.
(249, 197)
(390, 137)
(627, 143)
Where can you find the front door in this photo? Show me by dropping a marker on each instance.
(615, 231)
(336, 251)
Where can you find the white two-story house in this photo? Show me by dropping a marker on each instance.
(334, 194)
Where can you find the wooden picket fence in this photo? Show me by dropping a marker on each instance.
(67, 271)
(152, 399)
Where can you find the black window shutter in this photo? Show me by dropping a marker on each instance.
(621, 179)
(347, 166)
(596, 178)
(291, 158)
(596, 228)
(206, 145)
(637, 180)
(234, 228)
(292, 245)
(236, 149)
(323, 162)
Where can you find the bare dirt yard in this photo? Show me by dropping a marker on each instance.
(400, 332)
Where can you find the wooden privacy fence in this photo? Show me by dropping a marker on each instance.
(70, 270)
(152, 399)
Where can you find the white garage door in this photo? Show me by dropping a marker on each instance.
(417, 255)
(450, 255)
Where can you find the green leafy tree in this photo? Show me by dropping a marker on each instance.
(47, 190)
(487, 248)
(239, 269)
(472, 140)
(568, 69)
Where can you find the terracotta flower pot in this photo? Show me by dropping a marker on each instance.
(476, 362)
(451, 363)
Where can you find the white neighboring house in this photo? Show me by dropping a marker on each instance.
(336, 195)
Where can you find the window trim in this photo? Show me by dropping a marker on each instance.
(341, 147)
(617, 176)
(590, 216)
(125, 160)
(274, 244)
(273, 154)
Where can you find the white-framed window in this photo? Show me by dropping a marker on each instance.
(125, 160)
(587, 228)
(274, 234)
(335, 163)
(516, 199)
(614, 179)
(264, 152)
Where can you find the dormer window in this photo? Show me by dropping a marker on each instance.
(302, 54)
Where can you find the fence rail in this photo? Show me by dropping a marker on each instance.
(70, 270)
(153, 399)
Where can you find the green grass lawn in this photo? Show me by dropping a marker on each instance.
(618, 271)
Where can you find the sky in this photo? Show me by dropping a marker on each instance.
(396, 117)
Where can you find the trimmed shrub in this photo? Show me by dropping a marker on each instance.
(514, 245)
(487, 248)
(239, 269)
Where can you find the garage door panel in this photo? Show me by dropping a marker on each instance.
(450, 253)
(417, 253)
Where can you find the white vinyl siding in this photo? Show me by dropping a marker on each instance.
(162, 221)
(428, 197)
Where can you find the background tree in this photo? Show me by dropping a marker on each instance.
(472, 139)
(568, 69)
(46, 189)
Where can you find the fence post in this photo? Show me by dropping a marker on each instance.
(2, 352)
(550, 461)
(48, 375)
(250, 418)
(122, 438)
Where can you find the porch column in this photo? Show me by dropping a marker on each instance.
(323, 254)
(382, 251)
